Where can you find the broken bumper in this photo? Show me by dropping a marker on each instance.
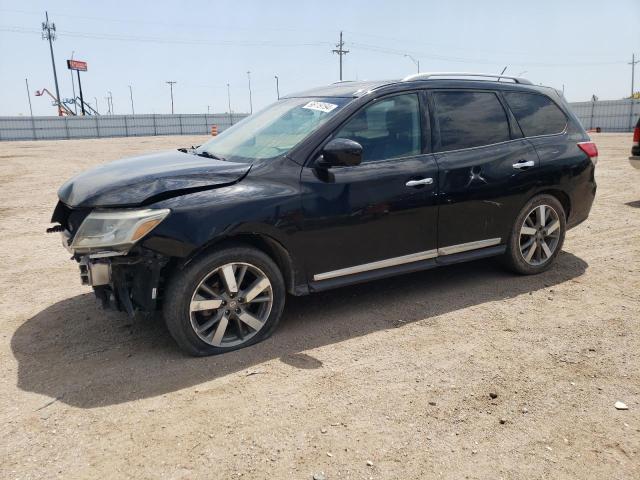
(127, 283)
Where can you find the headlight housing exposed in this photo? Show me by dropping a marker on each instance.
(116, 229)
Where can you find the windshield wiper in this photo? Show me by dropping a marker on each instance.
(204, 153)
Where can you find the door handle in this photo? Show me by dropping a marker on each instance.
(417, 183)
(524, 164)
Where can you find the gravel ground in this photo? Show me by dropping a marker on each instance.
(386, 380)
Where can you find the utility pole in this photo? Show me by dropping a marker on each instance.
(208, 109)
(133, 112)
(277, 86)
(96, 99)
(49, 33)
(229, 98)
(171, 84)
(633, 71)
(110, 100)
(73, 87)
(340, 51)
(28, 96)
(250, 100)
(417, 62)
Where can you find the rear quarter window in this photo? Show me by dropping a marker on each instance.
(470, 119)
(536, 114)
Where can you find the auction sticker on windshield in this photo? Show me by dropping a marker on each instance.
(320, 106)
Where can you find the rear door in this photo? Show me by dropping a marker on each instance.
(486, 170)
(383, 212)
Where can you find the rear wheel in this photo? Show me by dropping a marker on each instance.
(537, 236)
(226, 300)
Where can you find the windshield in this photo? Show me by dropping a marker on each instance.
(274, 131)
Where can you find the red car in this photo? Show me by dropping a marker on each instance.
(634, 159)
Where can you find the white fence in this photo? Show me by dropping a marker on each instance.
(99, 126)
(608, 115)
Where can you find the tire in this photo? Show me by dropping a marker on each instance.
(200, 301)
(525, 253)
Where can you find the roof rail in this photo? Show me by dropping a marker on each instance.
(481, 76)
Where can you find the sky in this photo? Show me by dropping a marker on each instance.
(203, 45)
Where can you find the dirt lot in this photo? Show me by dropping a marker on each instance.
(385, 380)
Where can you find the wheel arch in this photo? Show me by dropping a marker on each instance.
(561, 196)
(266, 244)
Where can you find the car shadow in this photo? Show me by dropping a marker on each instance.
(75, 352)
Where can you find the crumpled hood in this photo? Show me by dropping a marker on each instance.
(137, 180)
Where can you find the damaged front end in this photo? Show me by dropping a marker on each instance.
(123, 275)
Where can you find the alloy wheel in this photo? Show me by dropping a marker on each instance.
(539, 235)
(231, 304)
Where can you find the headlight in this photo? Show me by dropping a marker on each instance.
(116, 229)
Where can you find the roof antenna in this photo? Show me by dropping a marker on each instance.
(503, 70)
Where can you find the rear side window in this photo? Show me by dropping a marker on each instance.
(389, 128)
(470, 119)
(536, 114)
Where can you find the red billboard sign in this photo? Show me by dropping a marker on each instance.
(77, 65)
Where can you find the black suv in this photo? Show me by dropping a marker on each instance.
(342, 184)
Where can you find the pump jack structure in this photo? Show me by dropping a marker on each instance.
(64, 110)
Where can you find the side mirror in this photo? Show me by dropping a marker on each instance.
(340, 152)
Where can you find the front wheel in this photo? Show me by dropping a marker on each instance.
(537, 236)
(224, 301)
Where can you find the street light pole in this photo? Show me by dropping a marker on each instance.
(250, 100)
(229, 99)
(633, 72)
(29, 97)
(417, 62)
(171, 84)
(133, 112)
(277, 86)
(73, 87)
(96, 99)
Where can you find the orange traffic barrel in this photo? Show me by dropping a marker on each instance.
(214, 130)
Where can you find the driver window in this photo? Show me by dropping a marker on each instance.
(388, 128)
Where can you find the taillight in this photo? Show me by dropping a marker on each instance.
(590, 149)
(636, 135)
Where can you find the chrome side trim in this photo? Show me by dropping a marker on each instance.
(414, 257)
(463, 247)
(390, 262)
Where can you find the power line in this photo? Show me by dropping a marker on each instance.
(139, 21)
(277, 44)
(391, 51)
(340, 51)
